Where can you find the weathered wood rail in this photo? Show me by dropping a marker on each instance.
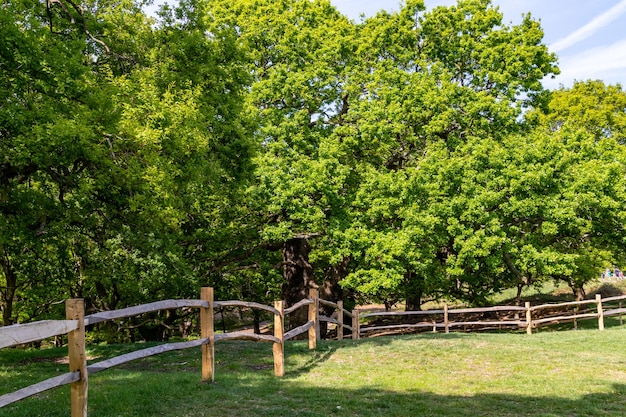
(76, 321)
(341, 313)
(516, 317)
(507, 317)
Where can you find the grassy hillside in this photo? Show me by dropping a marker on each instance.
(572, 373)
(550, 292)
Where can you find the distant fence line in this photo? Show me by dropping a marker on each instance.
(506, 317)
(76, 321)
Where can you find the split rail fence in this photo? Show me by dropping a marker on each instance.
(76, 322)
(490, 318)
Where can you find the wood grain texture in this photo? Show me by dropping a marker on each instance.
(207, 332)
(278, 349)
(75, 310)
(234, 303)
(18, 334)
(245, 336)
(55, 382)
(144, 353)
(297, 331)
(142, 309)
(302, 303)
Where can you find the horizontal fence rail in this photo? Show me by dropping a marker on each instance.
(441, 318)
(48, 384)
(142, 309)
(246, 336)
(246, 305)
(143, 353)
(515, 317)
(528, 317)
(74, 327)
(339, 321)
(19, 334)
(298, 330)
(301, 303)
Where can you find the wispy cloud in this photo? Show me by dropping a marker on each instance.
(590, 28)
(607, 63)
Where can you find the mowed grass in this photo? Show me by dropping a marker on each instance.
(568, 373)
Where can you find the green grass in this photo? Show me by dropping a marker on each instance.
(571, 373)
(549, 292)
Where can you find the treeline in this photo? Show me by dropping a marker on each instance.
(264, 147)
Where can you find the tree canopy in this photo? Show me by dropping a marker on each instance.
(266, 147)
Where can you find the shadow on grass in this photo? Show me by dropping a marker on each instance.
(297, 400)
(245, 386)
(134, 396)
(20, 368)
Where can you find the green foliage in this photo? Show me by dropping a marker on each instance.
(296, 53)
(591, 105)
(416, 152)
(428, 125)
(117, 152)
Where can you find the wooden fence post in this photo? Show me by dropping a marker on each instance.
(529, 319)
(279, 347)
(207, 332)
(340, 320)
(446, 320)
(314, 330)
(356, 330)
(600, 312)
(75, 310)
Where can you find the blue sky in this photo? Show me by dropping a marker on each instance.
(589, 36)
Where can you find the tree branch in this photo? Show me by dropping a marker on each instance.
(80, 11)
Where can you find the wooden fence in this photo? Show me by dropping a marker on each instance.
(74, 326)
(76, 321)
(498, 317)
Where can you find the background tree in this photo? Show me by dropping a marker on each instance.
(47, 142)
(118, 152)
(431, 96)
(267, 147)
(587, 122)
(297, 52)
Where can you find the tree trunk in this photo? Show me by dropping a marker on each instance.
(298, 275)
(414, 302)
(8, 294)
(518, 296)
(579, 293)
(256, 318)
(332, 291)
(414, 291)
(577, 289)
(524, 279)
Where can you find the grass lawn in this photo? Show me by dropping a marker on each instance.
(568, 373)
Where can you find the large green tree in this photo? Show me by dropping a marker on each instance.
(47, 142)
(265, 147)
(434, 94)
(123, 142)
(586, 126)
(298, 52)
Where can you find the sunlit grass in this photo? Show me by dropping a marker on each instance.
(559, 292)
(571, 373)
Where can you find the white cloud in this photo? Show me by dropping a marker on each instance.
(590, 28)
(607, 63)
